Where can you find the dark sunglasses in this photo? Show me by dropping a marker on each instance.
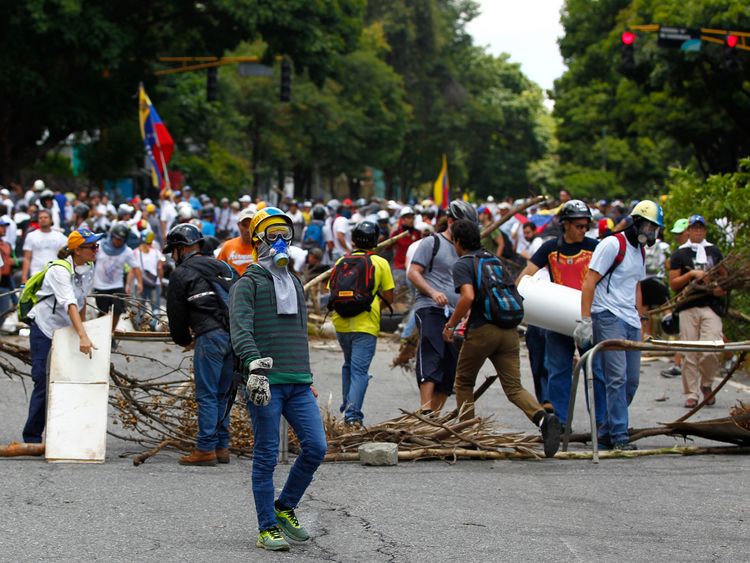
(90, 246)
(584, 227)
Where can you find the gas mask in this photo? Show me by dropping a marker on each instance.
(647, 232)
(279, 251)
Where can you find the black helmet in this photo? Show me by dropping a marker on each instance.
(459, 209)
(670, 323)
(319, 213)
(184, 234)
(365, 235)
(119, 231)
(82, 210)
(574, 209)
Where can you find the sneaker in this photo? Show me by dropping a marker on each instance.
(604, 442)
(624, 447)
(673, 371)
(551, 431)
(290, 525)
(272, 540)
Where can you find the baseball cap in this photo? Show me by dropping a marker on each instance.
(4, 222)
(503, 205)
(245, 199)
(82, 236)
(247, 213)
(679, 226)
(696, 219)
(347, 202)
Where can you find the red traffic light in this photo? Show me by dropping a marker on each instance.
(628, 38)
(731, 41)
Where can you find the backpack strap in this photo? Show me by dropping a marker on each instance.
(621, 251)
(435, 249)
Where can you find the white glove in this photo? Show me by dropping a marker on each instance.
(258, 388)
(584, 333)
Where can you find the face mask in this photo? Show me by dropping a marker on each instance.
(647, 232)
(280, 253)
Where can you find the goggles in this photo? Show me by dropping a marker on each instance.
(276, 232)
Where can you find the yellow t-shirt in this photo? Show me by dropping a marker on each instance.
(369, 321)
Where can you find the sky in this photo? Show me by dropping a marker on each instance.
(525, 29)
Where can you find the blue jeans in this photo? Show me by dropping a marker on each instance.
(621, 374)
(535, 343)
(297, 404)
(558, 360)
(214, 371)
(39, 346)
(152, 296)
(358, 348)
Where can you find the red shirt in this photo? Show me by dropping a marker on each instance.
(402, 244)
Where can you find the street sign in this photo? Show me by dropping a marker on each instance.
(670, 36)
(255, 69)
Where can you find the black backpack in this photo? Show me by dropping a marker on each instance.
(502, 305)
(352, 284)
(220, 276)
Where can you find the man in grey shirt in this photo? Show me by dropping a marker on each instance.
(431, 272)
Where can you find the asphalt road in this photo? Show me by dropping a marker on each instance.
(664, 508)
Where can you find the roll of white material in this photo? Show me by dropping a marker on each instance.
(550, 305)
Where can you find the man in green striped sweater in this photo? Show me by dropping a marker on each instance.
(268, 321)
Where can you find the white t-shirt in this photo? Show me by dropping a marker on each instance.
(410, 253)
(109, 270)
(617, 294)
(298, 258)
(341, 225)
(43, 247)
(11, 231)
(168, 212)
(148, 261)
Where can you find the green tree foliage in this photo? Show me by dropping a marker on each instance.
(74, 65)
(621, 129)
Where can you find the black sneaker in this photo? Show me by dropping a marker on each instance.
(551, 430)
(624, 447)
(604, 442)
(673, 371)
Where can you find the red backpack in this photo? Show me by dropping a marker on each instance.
(620, 257)
(352, 284)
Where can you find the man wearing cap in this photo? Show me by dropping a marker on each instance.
(699, 319)
(40, 246)
(238, 251)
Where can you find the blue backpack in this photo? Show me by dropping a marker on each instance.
(502, 305)
(313, 235)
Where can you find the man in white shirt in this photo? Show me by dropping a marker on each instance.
(11, 232)
(41, 246)
(341, 232)
(168, 214)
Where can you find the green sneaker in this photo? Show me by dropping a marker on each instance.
(290, 525)
(272, 540)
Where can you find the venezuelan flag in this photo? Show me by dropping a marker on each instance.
(441, 188)
(156, 140)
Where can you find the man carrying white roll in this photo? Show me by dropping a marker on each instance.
(567, 261)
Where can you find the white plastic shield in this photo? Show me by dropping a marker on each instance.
(550, 305)
(77, 395)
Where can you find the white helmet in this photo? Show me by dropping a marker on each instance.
(383, 215)
(185, 212)
(38, 185)
(405, 210)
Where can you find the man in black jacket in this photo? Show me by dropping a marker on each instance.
(196, 308)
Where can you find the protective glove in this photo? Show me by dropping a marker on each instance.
(584, 333)
(258, 388)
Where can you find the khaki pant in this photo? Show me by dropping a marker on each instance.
(699, 369)
(501, 347)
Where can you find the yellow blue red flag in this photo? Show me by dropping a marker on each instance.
(441, 188)
(156, 140)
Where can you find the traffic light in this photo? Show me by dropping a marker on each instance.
(627, 50)
(286, 81)
(730, 52)
(212, 85)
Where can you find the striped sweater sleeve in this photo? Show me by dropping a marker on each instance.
(242, 320)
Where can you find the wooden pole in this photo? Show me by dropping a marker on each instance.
(517, 209)
(327, 274)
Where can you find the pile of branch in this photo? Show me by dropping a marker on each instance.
(419, 436)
